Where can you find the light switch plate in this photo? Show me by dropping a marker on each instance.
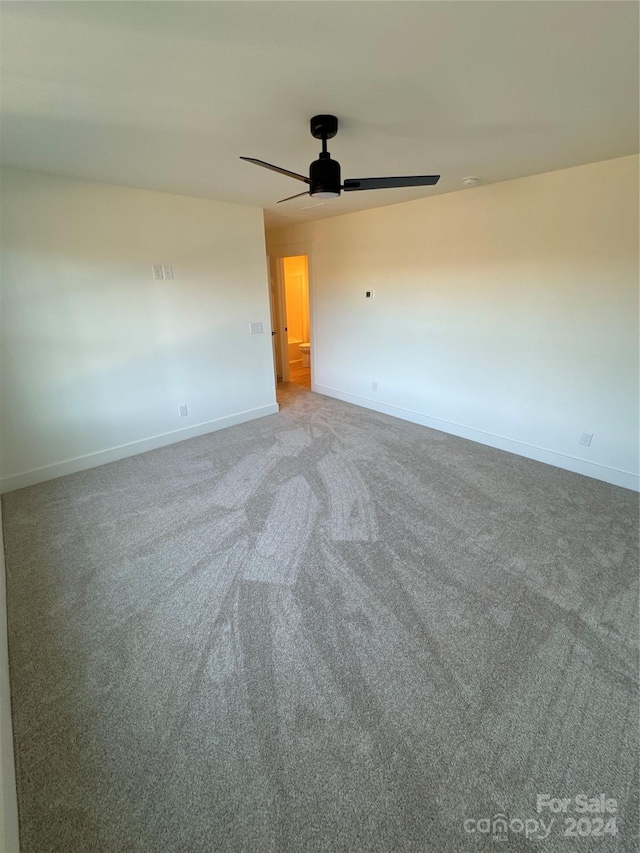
(256, 328)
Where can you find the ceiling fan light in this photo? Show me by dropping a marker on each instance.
(325, 194)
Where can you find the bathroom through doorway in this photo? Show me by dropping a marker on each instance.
(295, 274)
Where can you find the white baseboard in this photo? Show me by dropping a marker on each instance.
(615, 476)
(112, 454)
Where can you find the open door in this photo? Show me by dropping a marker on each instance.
(276, 332)
(277, 255)
(278, 318)
(296, 303)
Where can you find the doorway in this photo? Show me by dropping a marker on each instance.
(295, 292)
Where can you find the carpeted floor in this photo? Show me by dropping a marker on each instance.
(326, 630)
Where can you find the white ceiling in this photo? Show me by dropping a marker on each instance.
(167, 95)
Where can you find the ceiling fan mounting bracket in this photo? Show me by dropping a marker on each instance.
(324, 127)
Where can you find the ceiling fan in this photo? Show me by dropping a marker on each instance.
(324, 174)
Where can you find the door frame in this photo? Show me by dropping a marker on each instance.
(276, 255)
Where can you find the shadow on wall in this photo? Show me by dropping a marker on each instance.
(101, 409)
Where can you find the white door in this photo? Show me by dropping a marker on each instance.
(273, 306)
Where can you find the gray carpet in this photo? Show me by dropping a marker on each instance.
(326, 630)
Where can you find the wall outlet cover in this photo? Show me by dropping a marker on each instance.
(183, 410)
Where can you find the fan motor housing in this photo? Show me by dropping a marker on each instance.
(324, 175)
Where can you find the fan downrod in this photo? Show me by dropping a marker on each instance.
(324, 127)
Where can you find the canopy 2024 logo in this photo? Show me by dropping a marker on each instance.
(584, 816)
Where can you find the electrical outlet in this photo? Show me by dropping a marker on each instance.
(374, 386)
(184, 412)
(585, 439)
(256, 328)
(167, 269)
(158, 274)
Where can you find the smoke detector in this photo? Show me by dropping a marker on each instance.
(470, 181)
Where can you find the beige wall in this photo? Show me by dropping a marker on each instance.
(507, 314)
(96, 355)
(296, 289)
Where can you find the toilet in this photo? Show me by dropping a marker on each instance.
(304, 352)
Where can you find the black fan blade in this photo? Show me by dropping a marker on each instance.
(292, 196)
(277, 169)
(390, 183)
